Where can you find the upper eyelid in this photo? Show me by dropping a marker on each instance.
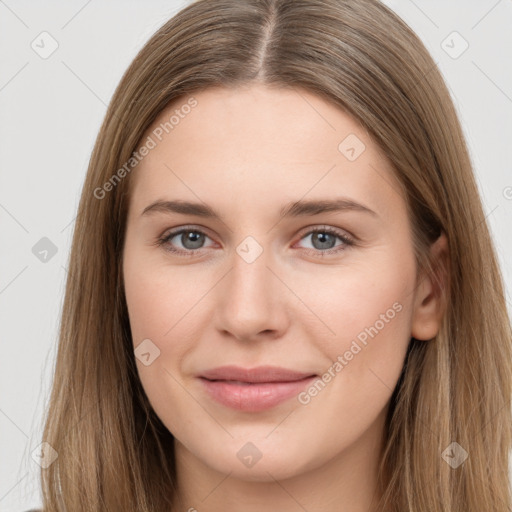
(321, 227)
(340, 232)
(176, 231)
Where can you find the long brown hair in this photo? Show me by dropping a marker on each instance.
(114, 452)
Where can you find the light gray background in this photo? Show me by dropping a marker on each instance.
(51, 110)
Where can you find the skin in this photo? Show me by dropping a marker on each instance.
(246, 152)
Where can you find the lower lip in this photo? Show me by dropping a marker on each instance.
(254, 397)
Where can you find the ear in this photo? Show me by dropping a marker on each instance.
(430, 293)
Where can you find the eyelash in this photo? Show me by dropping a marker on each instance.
(347, 241)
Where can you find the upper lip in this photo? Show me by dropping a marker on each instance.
(257, 374)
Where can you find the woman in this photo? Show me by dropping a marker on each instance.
(236, 368)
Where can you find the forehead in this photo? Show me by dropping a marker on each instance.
(254, 145)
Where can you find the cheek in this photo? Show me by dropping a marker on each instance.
(366, 311)
(160, 307)
(360, 300)
(166, 306)
(159, 300)
(369, 312)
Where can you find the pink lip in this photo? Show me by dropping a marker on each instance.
(253, 389)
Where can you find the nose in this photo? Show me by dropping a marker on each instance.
(250, 302)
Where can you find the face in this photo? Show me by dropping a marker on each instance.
(323, 293)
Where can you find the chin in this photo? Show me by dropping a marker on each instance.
(259, 460)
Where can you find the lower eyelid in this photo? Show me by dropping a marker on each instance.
(167, 238)
(345, 239)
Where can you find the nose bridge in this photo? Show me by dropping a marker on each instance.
(250, 300)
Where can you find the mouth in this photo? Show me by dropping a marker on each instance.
(255, 389)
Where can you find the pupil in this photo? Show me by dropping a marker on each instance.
(323, 238)
(192, 237)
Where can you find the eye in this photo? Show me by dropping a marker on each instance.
(324, 240)
(191, 241)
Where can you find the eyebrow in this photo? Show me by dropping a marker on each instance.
(299, 208)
